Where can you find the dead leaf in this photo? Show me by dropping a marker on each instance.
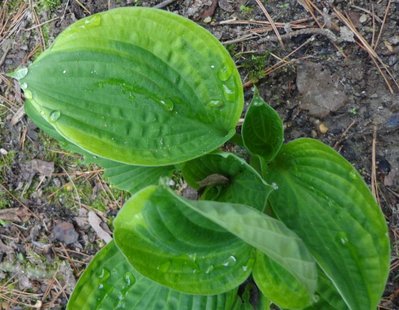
(95, 222)
(13, 215)
(44, 168)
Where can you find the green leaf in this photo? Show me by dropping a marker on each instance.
(124, 177)
(110, 282)
(139, 86)
(325, 201)
(278, 285)
(244, 185)
(268, 235)
(171, 244)
(262, 131)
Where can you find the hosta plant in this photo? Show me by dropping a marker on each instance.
(149, 95)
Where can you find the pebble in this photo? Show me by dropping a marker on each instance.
(3, 151)
(65, 232)
(207, 19)
(363, 18)
(323, 128)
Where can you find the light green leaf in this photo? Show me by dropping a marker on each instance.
(122, 176)
(262, 131)
(110, 282)
(171, 244)
(268, 235)
(278, 285)
(325, 201)
(139, 86)
(244, 184)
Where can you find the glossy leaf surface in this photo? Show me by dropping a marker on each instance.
(244, 185)
(173, 245)
(122, 176)
(325, 201)
(278, 285)
(136, 85)
(110, 282)
(262, 131)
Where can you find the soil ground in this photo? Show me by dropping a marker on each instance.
(338, 84)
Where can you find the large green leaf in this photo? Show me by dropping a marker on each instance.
(139, 86)
(122, 176)
(278, 285)
(173, 245)
(110, 282)
(262, 131)
(325, 201)
(242, 183)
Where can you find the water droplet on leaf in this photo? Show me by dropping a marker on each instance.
(229, 261)
(167, 104)
(92, 21)
(316, 298)
(209, 269)
(55, 115)
(353, 175)
(224, 73)
(164, 267)
(228, 93)
(215, 104)
(104, 274)
(342, 238)
(129, 279)
(24, 86)
(274, 186)
(212, 66)
(63, 72)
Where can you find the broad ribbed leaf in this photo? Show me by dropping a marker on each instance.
(122, 176)
(240, 183)
(262, 131)
(325, 201)
(278, 285)
(171, 244)
(110, 282)
(139, 86)
(268, 235)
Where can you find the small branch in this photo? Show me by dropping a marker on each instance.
(163, 4)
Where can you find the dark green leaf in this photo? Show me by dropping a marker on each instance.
(110, 282)
(139, 86)
(325, 201)
(171, 244)
(262, 131)
(244, 185)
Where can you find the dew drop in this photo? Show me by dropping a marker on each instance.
(129, 279)
(215, 104)
(212, 66)
(19, 73)
(164, 267)
(224, 73)
(257, 102)
(24, 86)
(104, 274)
(229, 261)
(244, 268)
(209, 269)
(352, 175)
(274, 186)
(167, 104)
(228, 92)
(342, 238)
(55, 115)
(93, 21)
(28, 94)
(101, 286)
(161, 142)
(316, 298)
(63, 72)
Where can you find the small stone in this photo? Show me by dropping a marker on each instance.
(363, 18)
(323, 128)
(3, 151)
(65, 232)
(207, 19)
